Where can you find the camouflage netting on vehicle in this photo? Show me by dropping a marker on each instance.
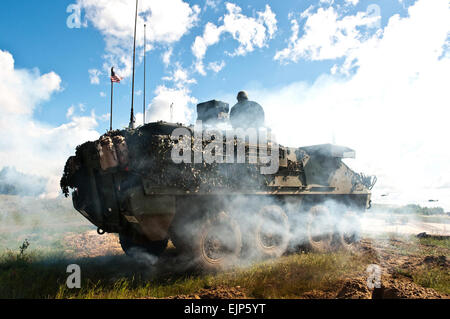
(150, 156)
(198, 176)
(67, 180)
(73, 168)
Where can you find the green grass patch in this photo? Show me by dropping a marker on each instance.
(32, 275)
(435, 242)
(435, 277)
(429, 276)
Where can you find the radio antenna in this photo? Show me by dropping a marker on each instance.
(132, 120)
(145, 40)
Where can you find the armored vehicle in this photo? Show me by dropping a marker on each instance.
(154, 183)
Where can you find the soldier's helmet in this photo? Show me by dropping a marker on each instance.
(242, 95)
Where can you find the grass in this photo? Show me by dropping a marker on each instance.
(30, 275)
(435, 242)
(42, 274)
(433, 277)
(44, 222)
(429, 275)
(39, 270)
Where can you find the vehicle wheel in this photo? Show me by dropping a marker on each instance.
(319, 229)
(133, 248)
(217, 244)
(271, 234)
(349, 231)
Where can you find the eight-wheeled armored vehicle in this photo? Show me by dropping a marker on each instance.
(154, 183)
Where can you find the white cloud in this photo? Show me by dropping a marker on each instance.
(167, 21)
(27, 144)
(211, 35)
(249, 32)
(160, 106)
(22, 90)
(166, 56)
(180, 77)
(216, 66)
(393, 110)
(352, 2)
(213, 4)
(328, 35)
(94, 75)
(70, 111)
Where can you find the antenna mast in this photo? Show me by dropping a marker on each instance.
(145, 40)
(131, 126)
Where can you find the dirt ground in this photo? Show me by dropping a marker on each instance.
(91, 244)
(393, 285)
(390, 255)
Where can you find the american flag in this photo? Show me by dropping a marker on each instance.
(114, 77)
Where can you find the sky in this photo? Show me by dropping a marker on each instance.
(370, 75)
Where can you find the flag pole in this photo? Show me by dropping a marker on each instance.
(145, 40)
(110, 119)
(131, 125)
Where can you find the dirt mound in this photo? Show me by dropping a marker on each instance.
(215, 293)
(318, 294)
(91, 244)
(391, 288)
(405, 289)
(355, 289)
(437, 260)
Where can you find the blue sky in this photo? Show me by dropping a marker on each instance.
(38, 37)
(356, 72)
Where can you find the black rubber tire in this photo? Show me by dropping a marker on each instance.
(130, 247)
(226, 232)
(270, 236)
(323, 243)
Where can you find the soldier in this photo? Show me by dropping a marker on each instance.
(246, 113)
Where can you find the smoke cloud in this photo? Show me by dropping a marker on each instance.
(392, 107)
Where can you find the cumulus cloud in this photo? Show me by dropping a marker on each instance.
(393, 110)
(249, 32)
(167, 21)
(22, 90)
(328, 35)
(28, 145)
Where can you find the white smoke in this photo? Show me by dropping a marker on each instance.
(392, 109)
